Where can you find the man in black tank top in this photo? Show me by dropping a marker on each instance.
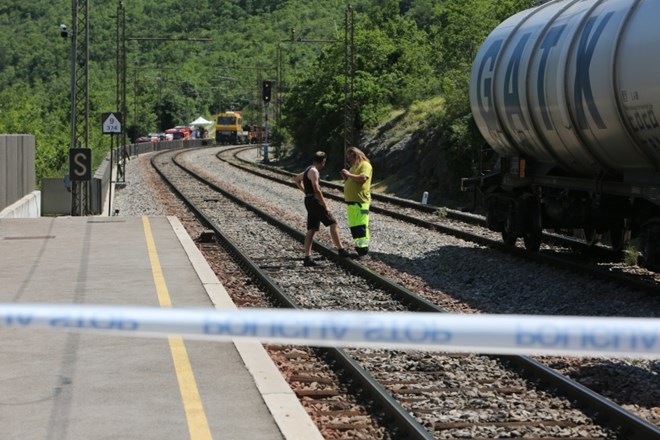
(317, 208)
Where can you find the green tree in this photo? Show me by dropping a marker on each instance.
(392, 70)
(406, 51)
(461, 27)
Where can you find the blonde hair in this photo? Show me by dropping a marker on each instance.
(359, 155)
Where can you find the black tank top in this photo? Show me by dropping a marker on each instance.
(307, 183)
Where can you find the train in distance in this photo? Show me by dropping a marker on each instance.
(565, 94)
(230, 129)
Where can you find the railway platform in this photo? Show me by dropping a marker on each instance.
(67, 385)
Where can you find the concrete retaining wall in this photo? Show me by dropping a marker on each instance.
(26, 207)
(17, 169)
(17, 178)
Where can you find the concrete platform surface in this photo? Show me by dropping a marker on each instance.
(66, 385)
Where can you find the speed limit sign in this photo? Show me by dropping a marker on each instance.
(111, 123)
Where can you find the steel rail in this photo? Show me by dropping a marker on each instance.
(404, 420)
(598, 252)
(591, 402)
(452, 214)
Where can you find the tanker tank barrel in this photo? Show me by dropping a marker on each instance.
(573, 84)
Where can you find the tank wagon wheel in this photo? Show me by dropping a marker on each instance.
(508, 238)
(592, 236)
(650, 244)
(620, 235)
(533, 238)
(508, 234)
(533, 241)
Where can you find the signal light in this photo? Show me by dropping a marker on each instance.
(266, 88)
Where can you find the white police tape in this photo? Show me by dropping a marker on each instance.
(493, 334)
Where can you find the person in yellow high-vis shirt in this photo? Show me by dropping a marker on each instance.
(357, 194)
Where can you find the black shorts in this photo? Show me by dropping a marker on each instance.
(317, 214)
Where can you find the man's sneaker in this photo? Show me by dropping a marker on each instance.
(361, 253)
(343, 253)
(309, 262)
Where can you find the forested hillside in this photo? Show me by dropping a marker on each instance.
(411, 58)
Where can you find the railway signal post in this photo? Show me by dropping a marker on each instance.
(266, 92)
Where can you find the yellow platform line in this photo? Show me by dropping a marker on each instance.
(198, 425)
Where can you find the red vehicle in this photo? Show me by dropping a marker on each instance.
(255, 134)
(151, 137)
(179, 132)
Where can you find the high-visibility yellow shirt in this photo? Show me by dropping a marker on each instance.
(359, 192)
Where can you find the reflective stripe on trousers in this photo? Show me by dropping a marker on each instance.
(358, 221)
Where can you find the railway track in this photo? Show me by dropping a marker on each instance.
(559, 250)
(500, 399)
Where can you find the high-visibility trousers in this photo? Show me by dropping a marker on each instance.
(358, 221)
